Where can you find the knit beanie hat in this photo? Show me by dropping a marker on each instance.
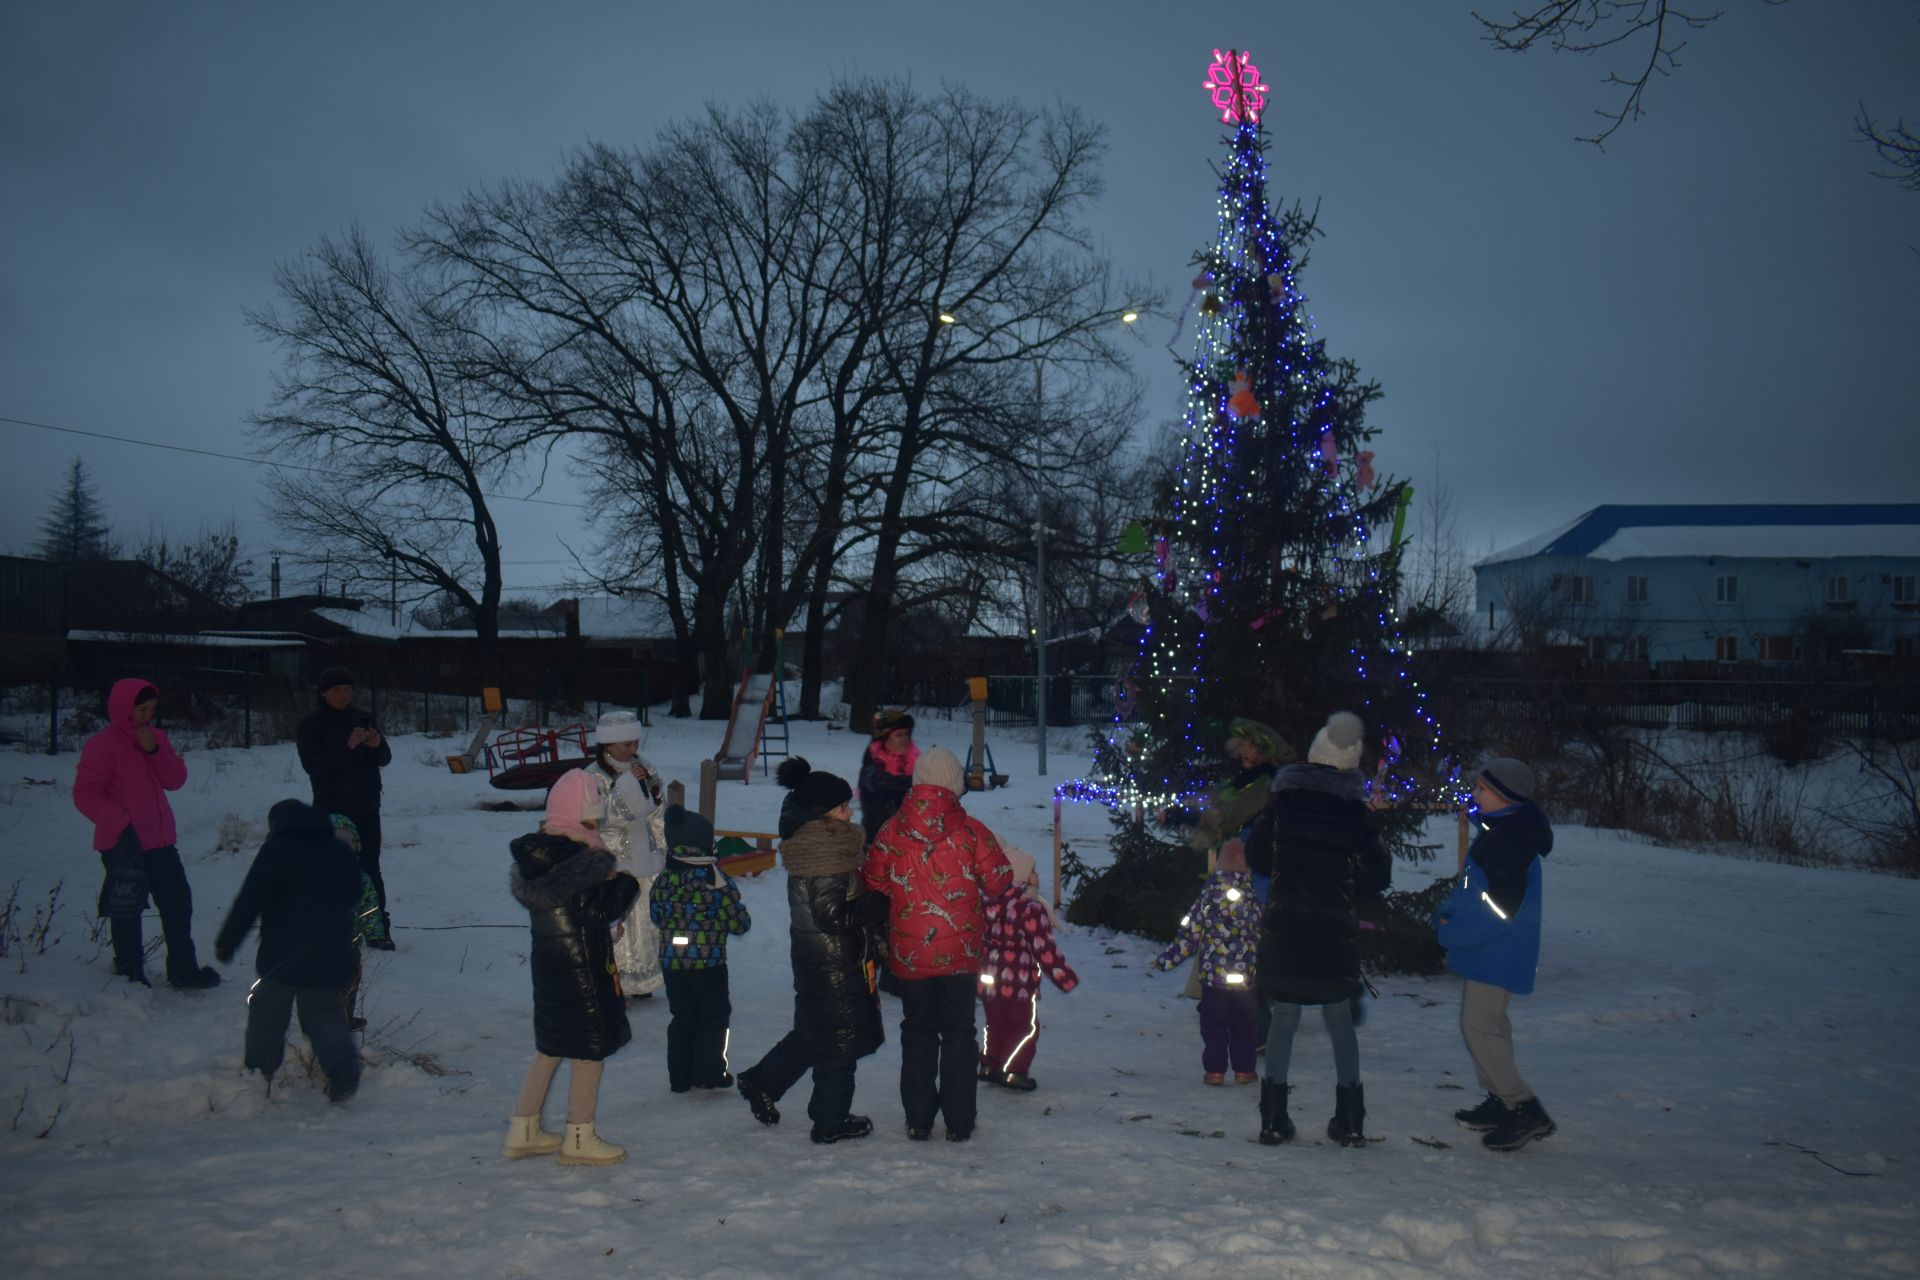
(887, 719)
(814, 790)
(689, 836)
(334, 676)
(1338, 742)
(940, 766)
(617, 726)
(1512, 779)
(573, 802)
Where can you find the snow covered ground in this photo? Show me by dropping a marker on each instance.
(1728, 1047)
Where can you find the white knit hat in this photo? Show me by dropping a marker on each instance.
(617, 726)
(1338, 742)
(941, 766)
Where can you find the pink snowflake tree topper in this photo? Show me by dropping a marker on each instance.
(1234, 84)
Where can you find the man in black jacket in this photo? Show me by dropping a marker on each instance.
(343, 753)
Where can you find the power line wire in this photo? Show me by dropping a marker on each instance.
(254, 462)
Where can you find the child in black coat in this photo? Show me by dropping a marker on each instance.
(836, 1016)
(302, 888)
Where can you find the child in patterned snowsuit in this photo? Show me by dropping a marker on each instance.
(695, 906)
(1019, 949)
(1223, 926)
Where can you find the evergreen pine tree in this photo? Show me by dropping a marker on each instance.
(76, 528)
(1267, 593)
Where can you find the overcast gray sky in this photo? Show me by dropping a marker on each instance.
(1722, 306)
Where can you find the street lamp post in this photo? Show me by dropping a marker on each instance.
(1127, 317)
(1040, 577)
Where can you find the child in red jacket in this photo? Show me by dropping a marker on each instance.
(1019, 949)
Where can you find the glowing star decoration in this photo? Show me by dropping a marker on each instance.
(1234, 84)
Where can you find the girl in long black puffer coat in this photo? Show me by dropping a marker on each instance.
(836, 1016)
(574, 896)
(1319, 842)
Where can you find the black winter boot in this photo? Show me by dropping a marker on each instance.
(1349, 1116)
(1276, 1126)
(1487, 1115)
(758, 1098)
(1526, 1122)
(851, 1127)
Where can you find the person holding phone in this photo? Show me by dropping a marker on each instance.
(343, 752)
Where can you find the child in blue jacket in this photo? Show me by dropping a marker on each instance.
(696, 907)
(1490, 927)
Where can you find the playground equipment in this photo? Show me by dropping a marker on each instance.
(981, 771)
(492, 707)
(758, 718)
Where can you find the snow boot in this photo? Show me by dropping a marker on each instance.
(526, 1138)
(1522, 1125)
(851, 1127)
(1245, 1077)
(1349, 1115)
(201, 980)
(759, 1099)
(581, 1145)
(1483, 1117)
(1276, 1126)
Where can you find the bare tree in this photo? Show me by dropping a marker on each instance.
(1897, 146)
(209, 562)
(991, 274)
(396, 441)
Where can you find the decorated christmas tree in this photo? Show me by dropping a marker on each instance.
(1271, 561)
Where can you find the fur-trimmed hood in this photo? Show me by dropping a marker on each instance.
(548, 870)
(1344, 784)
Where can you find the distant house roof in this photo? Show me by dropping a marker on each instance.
(205, 640)
(1805, 531)
(622, 617)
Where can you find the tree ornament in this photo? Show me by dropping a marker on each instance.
(1241, 402)
(1400, 516)
(1133, 538)
(1210, 305)
(1138, 608)
(1329, 452)
(1363, 477)
(1160, 551)
(1260, 622)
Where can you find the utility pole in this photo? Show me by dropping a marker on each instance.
(1040, 574)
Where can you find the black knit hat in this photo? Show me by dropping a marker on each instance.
(814, 790)
(334, 676)
(689, 836)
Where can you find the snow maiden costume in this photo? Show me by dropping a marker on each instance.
(630, 793)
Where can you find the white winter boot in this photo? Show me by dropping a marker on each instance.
(525, 1138)
(583, 1146)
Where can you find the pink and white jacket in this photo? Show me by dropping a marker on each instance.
(120, 784)
(1019, 948)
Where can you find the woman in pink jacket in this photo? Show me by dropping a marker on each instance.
(126, 770)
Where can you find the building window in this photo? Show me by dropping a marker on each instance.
(1597, 647)
(1726, 589)
(1726, 649)
(1838, 589)
(1904, 588)
(1580, 589)
(1906, 647)
(1637, 589)
(1640, 649)
(1777, 648)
